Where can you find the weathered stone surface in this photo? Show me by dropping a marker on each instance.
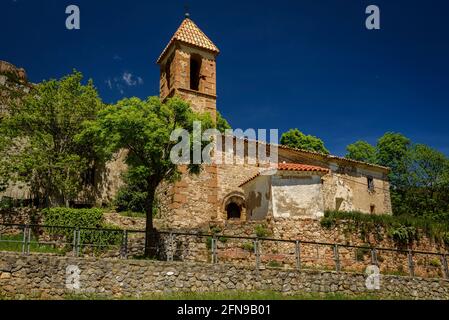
(46, 277)
(12, 72)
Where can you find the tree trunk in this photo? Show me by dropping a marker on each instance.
(150, 232)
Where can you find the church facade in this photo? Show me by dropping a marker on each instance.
(304, 185)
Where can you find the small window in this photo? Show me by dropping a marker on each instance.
(372, 209)
(195, 69)
(370, 181)
(338, 203)
(168, 75)
(167, 70)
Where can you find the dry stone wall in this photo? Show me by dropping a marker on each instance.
(197, 247)
(52, 277)
(20, 216)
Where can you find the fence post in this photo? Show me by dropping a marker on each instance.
(374, 257)
(445, 266)
(214, 249)
(29, 240)
(170, 247)
(337, 258)
(257, 254)
(411, 265)
(125, 244)
(298, 255)
(75, 234)
(24, 239)
(77, 242)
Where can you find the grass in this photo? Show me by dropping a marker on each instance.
(16, 246)
(230, 295)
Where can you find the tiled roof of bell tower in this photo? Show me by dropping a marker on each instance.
(191, 34)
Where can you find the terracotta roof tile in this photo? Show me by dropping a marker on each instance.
(301, 167)
(298, 167)
(189, 33)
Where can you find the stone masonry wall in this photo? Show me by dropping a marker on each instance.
(52, 277)
(282, 254)
(20, 216)
(322, 257)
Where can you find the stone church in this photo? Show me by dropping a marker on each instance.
(303, 187)
(305, 184)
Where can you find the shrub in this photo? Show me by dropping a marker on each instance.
(361, 253)
(248, 246)
(261, 231)
(445, 238)
(403, 234)
(274, 264)
(6, 203)
(435, 262)
(223, 239)
(209, 243)
(67, 217)
(129, 200)
(327, 222)
(81, 218)
(215, 229)
(402, 229)
(130, 196)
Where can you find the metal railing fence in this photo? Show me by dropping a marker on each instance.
(260, 253)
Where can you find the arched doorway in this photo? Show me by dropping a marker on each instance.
(233, 211)
(234, 206)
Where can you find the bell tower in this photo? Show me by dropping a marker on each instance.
(188, 68)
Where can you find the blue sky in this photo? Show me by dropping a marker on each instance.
(284, 64)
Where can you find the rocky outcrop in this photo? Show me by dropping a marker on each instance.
(13, 85)
(13, 73)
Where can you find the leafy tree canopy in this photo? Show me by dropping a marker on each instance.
(38, 142)
(361, 151)
(222, 123)
(392, 150)
(144, 128)
(419, 175)
(424, 189)
(296, 139)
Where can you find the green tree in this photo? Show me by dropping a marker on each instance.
(132, 195)
(428, 182)
(39, 138)
(144, 129)
(393, 151)
(222, 123)
(296, 139)
(361, 151)
(5, 173)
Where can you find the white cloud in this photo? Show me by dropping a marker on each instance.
(131, 80)
(128, 78)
